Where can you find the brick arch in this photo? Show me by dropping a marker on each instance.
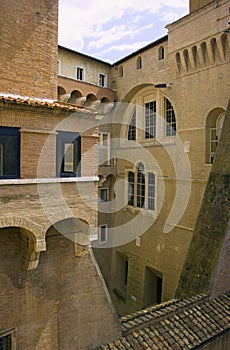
(35, 229)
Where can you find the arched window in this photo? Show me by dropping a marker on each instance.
(120, 72)
(195, 56)
(178, 62)
(170, 119)
(161, 53)
(139, 62)
(113, 85)
(141, 188)
(132, 127)
(214, 48)
(140, 185)
(204, 53)
(186, 59)
(214, 125)
(224, 44)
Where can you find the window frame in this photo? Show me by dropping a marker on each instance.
(170, 118)
(13, 337)
(102, 147)
(105, 226)
(81, 71)
(150, 115)
(102, 80)
(133, 193)
(63, 138)
(105, 190)
(10, 132)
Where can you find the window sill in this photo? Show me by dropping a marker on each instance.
(48, 180)
(119, 294)
(142, 211)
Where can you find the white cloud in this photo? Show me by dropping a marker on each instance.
(103, 22)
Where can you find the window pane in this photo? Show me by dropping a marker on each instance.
(140, 186)
(9, 152)
(151, 191)
(130, 188)
(150, 120)
(5, 342)
(170, 119)
(132, 128)
(68, 157)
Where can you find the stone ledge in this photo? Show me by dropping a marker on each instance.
(48, 180)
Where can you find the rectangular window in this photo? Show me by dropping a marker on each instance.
(68, 154)
(8, 340)
(132, 128)
(104, 149)
(151, 191)
(9, 153)
(122, 267)
(130, 188)
(150, 120)
(102, 80)
(80, 73)
(58, 67)
(104, 194)
(152, 287)
(103, 234)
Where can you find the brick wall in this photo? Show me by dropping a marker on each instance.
(28, 62)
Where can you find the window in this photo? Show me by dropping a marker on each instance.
(122, 267)
(139, 63)
(141, 188)
(58, 67)
(80, 73)
(120, 72)
(68, 154)
(150, 120)
(8, 340)
(152, 287)
(102, 80)
(161, 53)
(214, 126)
(9, 153)
(170, 119)
(104, 148)
(132, 128)
(103, 233)
(104, 194)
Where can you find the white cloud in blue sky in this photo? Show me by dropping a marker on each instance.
(112, 29)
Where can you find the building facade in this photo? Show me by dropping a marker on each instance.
(52, 293)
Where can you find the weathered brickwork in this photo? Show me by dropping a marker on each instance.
(32, 28)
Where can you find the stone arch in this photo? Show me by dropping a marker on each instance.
(91, 100)
(73, 229)
(75, 97)
(225, 46)
(178, 62)
(61, 93)
(214, 124)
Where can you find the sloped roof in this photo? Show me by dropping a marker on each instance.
(36, 102)
(174, 325)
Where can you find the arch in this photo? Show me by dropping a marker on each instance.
(178, 62)
(195, 56)
(75, 97)
(60, 92)
(186, 60)
(224, 45)
(214, 123)
(214, 49)
(139, 62)
(161, 53)
(90, 99)
(204, 53)
(73, 229)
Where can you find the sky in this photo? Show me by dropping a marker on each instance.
(112, 29)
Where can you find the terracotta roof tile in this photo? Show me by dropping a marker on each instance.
(185, 324)
(35, 102)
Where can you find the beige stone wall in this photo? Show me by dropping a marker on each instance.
(69, 61)
(200, 88)
(29, 66)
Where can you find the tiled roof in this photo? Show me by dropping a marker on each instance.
(174, 325)
(36, 102)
